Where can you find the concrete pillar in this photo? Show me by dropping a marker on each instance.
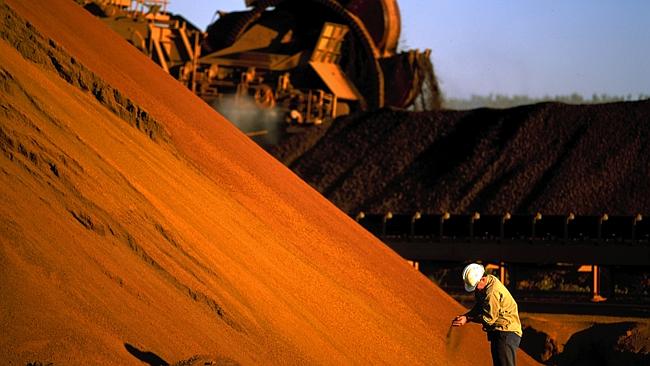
(595, 288)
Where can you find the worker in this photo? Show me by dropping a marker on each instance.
(496, 310)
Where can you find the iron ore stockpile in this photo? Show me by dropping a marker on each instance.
(137, 225)
(551, 158)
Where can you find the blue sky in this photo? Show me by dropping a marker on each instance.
(531, 47)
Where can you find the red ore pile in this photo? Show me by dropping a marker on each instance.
(137, 225)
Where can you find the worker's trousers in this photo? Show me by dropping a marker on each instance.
(504, 347)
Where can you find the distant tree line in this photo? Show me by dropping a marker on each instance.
(507, 101)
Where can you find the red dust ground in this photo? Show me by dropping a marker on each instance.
(550, 158)
(138, 225)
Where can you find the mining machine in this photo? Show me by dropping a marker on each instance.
(312, 60)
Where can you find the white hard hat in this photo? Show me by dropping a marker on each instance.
(471, 275)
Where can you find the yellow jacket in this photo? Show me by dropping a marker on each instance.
(495, 308)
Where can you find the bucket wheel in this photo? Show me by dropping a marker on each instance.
(382, 19)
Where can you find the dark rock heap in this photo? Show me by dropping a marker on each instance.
(549, 157)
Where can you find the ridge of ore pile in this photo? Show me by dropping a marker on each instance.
(548, 157)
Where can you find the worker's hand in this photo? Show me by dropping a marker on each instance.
(459, 321)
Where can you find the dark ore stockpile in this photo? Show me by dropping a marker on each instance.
(549, 157)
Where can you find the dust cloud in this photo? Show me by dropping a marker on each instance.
(263, 125)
